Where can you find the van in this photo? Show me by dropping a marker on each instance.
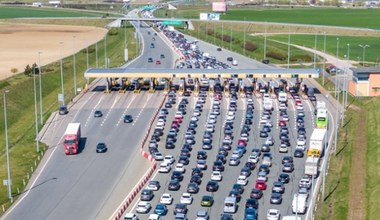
(299, 203)
(282, 97)
(229, 204)
(234, 62)
(291, 217)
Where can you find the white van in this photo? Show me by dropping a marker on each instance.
(230, 204)
(299, 203)
(282, 97)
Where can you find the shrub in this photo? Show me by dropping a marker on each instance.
(227, 38)
(277, 54)
(250, 46)
(113, 31)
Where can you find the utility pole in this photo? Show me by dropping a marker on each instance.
(9, 180)
(288, 47)
(324, 59)
(40, 83)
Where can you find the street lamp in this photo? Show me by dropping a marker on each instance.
(346, 78)
(324, 58)
(75, 69)
(336, 66)
(288, 46)
(9, 181)
(315, 49)
(35, 110)
(62, 90)
(39, 77)
(265, 42)
(363, 46)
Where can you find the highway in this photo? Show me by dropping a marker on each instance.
(91, 185)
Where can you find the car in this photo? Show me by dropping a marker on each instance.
(276, 198)
(152, 45)
(180, 168)
(146, 195)
(192, 187)
(250, 214)
(298, 153)
(219, 49)
(256, 193)
(226, 216)
(176, 175)
(169, 159)
(186, 198)
(63, 110)
(212, 186)
(234, 160)
(202, 155)
(160, 209)
(150, 60)
(101, 147)
(273, 214)
(288, 167)
(260, 184)
(245, 171)
(250, 165)
(202, 215)
(153, 185)
(174, 185)
(130, 216)
(284, 178)
(202, 164)
(218, 166)
(196, 178)
(283, 148)
(158, 62)
(252, 203)
(287, 159)
(216, 176)
(158, 156)
(143, 207)
(98, 114)
(162, 56)
(164, 168)
(207, 201)
(180, 208)
(242, 180)
(278, 187)
(128, 119)
(166, 199)
(154, 217)
(197, 171)
(230, 59)
(239, 188)
(305, 182)
(183, 159)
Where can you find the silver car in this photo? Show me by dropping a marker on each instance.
(234, 160)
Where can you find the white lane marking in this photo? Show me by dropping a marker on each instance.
(92, 111)
(42, 169)
(125, 111)
(311, 113)
(111, 108)
(146, 102)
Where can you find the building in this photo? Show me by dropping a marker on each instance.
(365, 81)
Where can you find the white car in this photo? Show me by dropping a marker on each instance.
(178, 115)
(301, 141)
(283, 148)
(230, 117)
(164, 168)
(166, 199)
(196, 113)
(169, 159)
(299, 107)
(301, 147)
(273, 214)
(158, 156)
(186, 198)
(211, 121)
(262, 176)
(285, 117)
(242, 180)
(130, 216)
(269, 141)
(194, 118)
(216, 176)
(143, 207)
(282, 106)
(212, 116)
(254, 158)
(154, 217)
(210, 128)
(180, 168)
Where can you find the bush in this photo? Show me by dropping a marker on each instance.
(227, 38)
(210, 32)
(303, 58)
(277, 55)
(250, 46)
(113, 32)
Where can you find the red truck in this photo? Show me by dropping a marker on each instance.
(72, 138)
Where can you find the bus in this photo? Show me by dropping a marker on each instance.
(321, 119)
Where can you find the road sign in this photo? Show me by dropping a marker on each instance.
(60, 97)
(5, 182)
(172, 23)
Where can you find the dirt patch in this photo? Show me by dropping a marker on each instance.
(356, 203)
(21, 43)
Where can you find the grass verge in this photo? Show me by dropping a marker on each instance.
(20, 105)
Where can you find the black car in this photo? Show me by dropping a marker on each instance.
(264, 168)
(197, 171)
(63, 110)
(180, 208)
(236, 194)
(218, 166)
(256, 193)
(239, 188)
(128, 119)
(98, 114)
(221, 158)
(230, 59)
(212, 186)
(176, 175)
(287, 159)
(169, 145)
(101, 148)
(284, 178)
(168, 105)
(298, 153)
(263, 134)
(184, 160)
(252, 203)
(174, 185)
(146, 195)
(201, 155)
(226, 216)
(193, 187)
(250, 165)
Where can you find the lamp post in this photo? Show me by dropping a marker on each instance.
(315, 49)
(288, 47)
(35, 110)
(62, 89)
(9, 181)
(324, 59)
(40, 83)
(75, 69)
(231, 37)
(265, 42)
(244, 36)
(346, 78)
(363, 46)
(336, 68)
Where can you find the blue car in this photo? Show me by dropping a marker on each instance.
(250, 214)
(160, 209)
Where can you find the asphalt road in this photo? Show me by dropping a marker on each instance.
(91, 185)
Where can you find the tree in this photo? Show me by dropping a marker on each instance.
(28, 70)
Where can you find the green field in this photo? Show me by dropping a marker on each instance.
(34, 12)
(317, 16)
(20, 105)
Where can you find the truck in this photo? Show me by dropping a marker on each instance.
(317, 142)
(312, 166)
(299, 204)
(72, 138)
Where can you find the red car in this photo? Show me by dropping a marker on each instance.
(298, 102)
(179, 120)
(242, 142)
(282, 123)
(260, 184)
(158, 62)
(175, 123)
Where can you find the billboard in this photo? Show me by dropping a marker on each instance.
(219, 7)
(209, 16)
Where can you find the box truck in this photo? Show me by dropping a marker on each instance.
(72, 138)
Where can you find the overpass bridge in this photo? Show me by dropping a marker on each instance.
(150, 79)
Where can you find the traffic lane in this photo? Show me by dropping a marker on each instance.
(243, 62)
